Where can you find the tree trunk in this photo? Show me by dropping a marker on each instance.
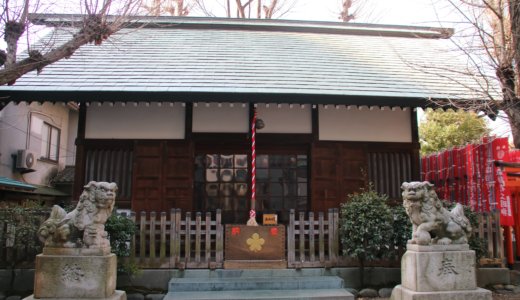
(38, 62)
(511, 93)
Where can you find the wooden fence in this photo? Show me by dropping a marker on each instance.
(196, 240)
(171, 241)
(312, 242)
(489, 229)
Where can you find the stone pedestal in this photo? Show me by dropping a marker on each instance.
(76, 276)
(439, 272)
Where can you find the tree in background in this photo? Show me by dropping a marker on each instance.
(179, 8)
(245, 9)
(491, 44)
(102, 18)
(447, 129)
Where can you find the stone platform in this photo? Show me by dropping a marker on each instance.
(403, 293)
(118, 295)
(439, 272)
(76, 276)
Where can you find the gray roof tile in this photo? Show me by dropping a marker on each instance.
(230, 60)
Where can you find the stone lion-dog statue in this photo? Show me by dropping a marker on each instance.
(432, 223)
(83, 227)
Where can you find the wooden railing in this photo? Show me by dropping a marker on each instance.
(171, 241)
(312, 241)
(489, 229)
(196, 240)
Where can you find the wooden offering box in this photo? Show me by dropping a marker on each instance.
(254, 247)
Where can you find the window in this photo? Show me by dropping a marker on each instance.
(221, 182)
(282, 183)
(50, 142)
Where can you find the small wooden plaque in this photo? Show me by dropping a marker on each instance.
(270, 219)
(254, 242)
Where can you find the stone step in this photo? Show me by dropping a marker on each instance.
(201, 273)
(331, 294)
(255, 283)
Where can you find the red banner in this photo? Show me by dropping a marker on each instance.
(503, 195)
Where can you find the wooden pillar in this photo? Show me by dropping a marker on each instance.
(79, 170)
(508, 241)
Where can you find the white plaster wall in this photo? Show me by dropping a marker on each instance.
(223, 119)
(14, 124)
(284, 118)
(364, 125)
(135, 122)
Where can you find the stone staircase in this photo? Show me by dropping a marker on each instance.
(256, 284)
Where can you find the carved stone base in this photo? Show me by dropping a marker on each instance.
(118, 295)
(438, 268)
(402, 293)
(75, 277)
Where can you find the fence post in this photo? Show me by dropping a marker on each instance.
(142, 235)
(132, 240)
(207, 238)
(152, 234)
(173, 253)
(330, 234)
(198, 231)
(162, 249)
(301, 229)
(321, 236)
(290, 239)
(177, 235)
(219, 242)
(312, 256)
(187, 241)
(335, 235)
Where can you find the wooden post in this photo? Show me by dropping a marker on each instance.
(142, 236)
(301, 229)
(321, 237)
(177, 235)
(207, 241)
(290, 239)
(312, 256)
(132, 241)
(219, 251)
(198, 231)
(173, 252)
(152, 234)
(162, 247)
(508, 238)
(187, 240)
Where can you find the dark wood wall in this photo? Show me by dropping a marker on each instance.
(156, 175)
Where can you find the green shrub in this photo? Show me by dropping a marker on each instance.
(120, 231)
(366, 227)
(402, 230)
(19, 224)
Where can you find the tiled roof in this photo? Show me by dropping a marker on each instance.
(219, 58)
(65, 176)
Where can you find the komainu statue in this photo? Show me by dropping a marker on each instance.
(432, 223)
(84, 227)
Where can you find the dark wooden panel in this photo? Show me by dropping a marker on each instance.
(163, 177)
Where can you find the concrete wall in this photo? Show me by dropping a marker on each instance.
(20, 128)
(364, 125)
(127, 121)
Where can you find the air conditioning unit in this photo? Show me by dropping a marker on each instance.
(25, 160)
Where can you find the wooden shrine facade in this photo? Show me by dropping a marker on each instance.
(295, 170)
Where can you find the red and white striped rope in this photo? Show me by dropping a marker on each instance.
(252, 213)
